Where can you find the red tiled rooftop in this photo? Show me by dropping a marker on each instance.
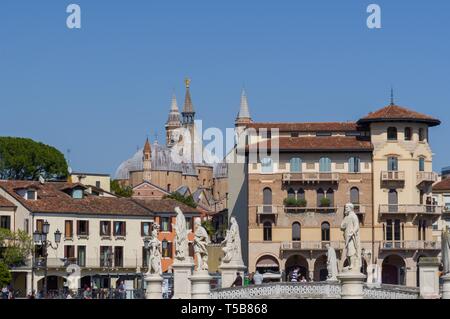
(443, 185)
(5, 203)
(307, 127)
(398, 113)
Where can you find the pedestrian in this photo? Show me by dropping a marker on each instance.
(122, 292)
(87, 293)
(5, 293)
(238, 281)
(258, 278)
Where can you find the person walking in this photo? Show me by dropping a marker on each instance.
(258, 278)
(238, 281)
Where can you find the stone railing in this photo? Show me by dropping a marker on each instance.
(392, 176)
(426, 177)
(267, 209)
(311, 177)
(410, 209)
(311, 245)
(411, 245)
(390, 292)
(281, 290)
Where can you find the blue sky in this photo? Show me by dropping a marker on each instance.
(101, 90)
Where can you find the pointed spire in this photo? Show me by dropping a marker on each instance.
(174, 104)
(188, 108)
(244, 112)
(392, 96)
(147, 147)
(174, 114)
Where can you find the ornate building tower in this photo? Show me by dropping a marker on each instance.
(188, 109)
(243, 117)
(147, 159)
(173, 122)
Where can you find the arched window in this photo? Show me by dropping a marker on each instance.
(393, 201)
(291, 193)
(354, 195)
(267, 200)
(392, 164)
(354, 165)
(320, 196)
(330, 197)
(325, 164)
(421, 164)
(296, 229)
(267, 231)
(296, 165)
(408, 134)
(325, 228)
(301, 194)
(421, 134)
(392, 133)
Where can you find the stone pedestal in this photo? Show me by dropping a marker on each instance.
(154, 286)
(182, 271)
(446, 287)
(429, 277)
(200, 282)
(352, 285)
(228, 272)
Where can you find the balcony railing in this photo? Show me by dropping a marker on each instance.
(410, 209)
(392, 176)
(267, 210)
(301, 209)
(426, 178)
(311, 245)
(88, 263)
(410, 245)
(314, 177)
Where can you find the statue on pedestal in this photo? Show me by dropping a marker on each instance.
(154, 262)
(201, 241)
(181, 238)
(445, 252)
(350, 227)
(331, 263)
(232, 243)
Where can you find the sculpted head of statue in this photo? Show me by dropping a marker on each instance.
(349, 207)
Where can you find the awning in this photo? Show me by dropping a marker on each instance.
(267, 262)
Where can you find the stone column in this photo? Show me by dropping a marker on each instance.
(228, 272)
(446, 287)
(154, 286)
(29, 282)
(352, 285)
(182, 271)
(200, 281)
(429, 277)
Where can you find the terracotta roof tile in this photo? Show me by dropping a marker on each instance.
(398, 113)
(308, 127)
(5, 203)
(443, 185)
(165, 205)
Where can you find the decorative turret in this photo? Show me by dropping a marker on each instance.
(173, 122)
(188, 109)
(244, 113)
(147, 161)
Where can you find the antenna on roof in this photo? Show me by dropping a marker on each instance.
(392, 95)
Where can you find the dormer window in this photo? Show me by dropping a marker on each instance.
(77, 193)
(31, 194)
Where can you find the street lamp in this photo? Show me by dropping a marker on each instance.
(40, 239)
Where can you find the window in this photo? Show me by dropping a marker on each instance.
(26, 225)
(118, 256)
(39, 225)
(267, 200)
(393, 229)
(392, 164)
(77, 193)
(325, 164)
(166, 249)
(5, 222)
(31, 194)
(294, 134)
(301, 194)
(68, 229)
(145, 256)
(296, 164)
(408, 134)
(320, 196)
(291, 193)
(421, 134)
(106, 256)
(392, 134)
(81, 256)
(323, 133)
(354, 195)
(69, 252)
(393, 201)
(119, 229)
(266, 165)
(146, 229)
(296, 231)
(97, 184)
(421, 164)
(330, 196)
(422, 228)
(267, 231)
(325, 230)
(165, 224)
(105, 228)
(83, 228)
(354, 165)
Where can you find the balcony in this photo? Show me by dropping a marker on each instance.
(393, 177)
(310, 245)
(302, 209)
(267, 211)
(410, 245)
(426, 178)
(410, 210)
(313, 177)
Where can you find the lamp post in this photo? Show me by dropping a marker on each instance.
(40, 239)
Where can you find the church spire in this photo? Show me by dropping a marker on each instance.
(147, 161)
(174, 114)
(188, 109)
(244, 112)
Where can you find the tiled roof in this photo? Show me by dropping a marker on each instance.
(52, 199)
(5, 203)
(443, 185)
(307, 127)
(165, 205)
(322, 144)
(398, 113)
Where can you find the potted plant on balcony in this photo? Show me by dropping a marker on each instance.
(302, 202)
(325, 202)
(290, 202)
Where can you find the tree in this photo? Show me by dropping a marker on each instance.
(16, 247)
(188, 200)
(25, 159)
(5, 275)
(117, 189)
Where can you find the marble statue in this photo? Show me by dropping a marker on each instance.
(201, 241)
(331, 263)
(154, 261)
(232, 243)
(181, 237)
(445, 252)
(350, 228)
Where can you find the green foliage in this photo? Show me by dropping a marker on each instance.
(5, 275)
(293, 202)
(25, 159)
(208, 225)
(16, 247)
(188, 200)
(117, 189)
(325, 202)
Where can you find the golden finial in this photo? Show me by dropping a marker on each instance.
(188, 82)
